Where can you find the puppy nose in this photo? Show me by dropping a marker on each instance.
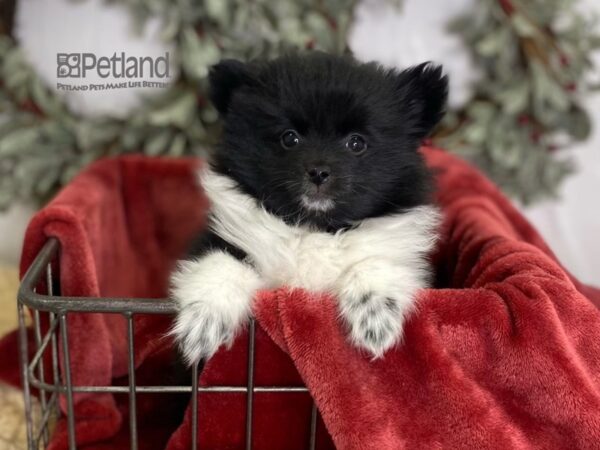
(318, 175)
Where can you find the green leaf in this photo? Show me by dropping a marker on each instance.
(157, 143)
(178, 145)
(18, 141)
(492, 44)
(475, 133)
(48, 103)
(522, 26)
(47, 180)
(179, 112)
(515, 98)
(546, 89)
(217, 10)
(578, 124)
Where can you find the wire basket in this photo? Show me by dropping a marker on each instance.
(55, 308)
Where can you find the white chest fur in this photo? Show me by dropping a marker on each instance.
(296, 256)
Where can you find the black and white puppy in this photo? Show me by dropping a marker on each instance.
(317, 184)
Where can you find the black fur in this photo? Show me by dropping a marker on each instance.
(326, 99)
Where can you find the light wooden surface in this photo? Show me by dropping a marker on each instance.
(9, 282)
(12, 422)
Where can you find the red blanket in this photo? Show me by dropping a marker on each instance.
(503, 353)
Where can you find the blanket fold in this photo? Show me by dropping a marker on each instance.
(503, 353)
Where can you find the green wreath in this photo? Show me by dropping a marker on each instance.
(534, 61)
(533, 70)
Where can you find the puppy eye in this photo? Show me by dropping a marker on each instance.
(356, 144)
(289, 139)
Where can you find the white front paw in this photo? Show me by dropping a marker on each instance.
(214, 295)
(375, 322)
(200, 330)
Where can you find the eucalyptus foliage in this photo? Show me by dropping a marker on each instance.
(533, 59)
(532, 56)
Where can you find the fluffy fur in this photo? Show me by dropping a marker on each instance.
(210, 302)
(339, 205)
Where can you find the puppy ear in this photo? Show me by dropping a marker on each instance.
(423, 92)
(224, 78)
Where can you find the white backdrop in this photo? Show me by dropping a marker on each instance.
(571, 225)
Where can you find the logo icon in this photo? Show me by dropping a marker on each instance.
(68, 65)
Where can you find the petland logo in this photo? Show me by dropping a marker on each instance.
(132, 70)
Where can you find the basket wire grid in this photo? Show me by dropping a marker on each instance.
(56, 308)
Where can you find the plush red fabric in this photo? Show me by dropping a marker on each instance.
(503, 353)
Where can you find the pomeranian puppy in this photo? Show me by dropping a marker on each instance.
(317, 184)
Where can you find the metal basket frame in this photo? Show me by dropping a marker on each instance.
(56, 307)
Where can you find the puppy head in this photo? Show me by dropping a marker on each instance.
(326, 140)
